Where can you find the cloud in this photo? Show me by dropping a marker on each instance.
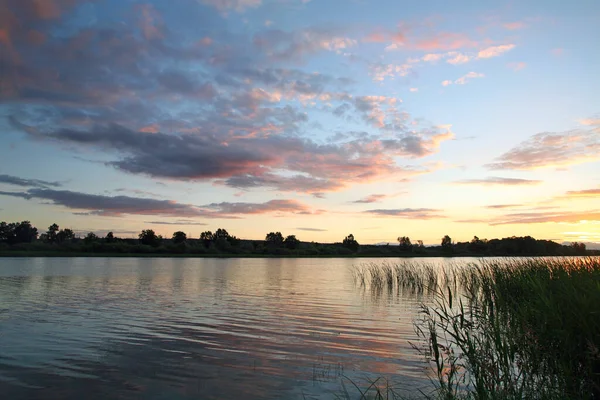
(138, 192)
(443, 41)
(458, 58)
(544, 217)
(513, 26)
(232, 5)
(251, 160)
(517, 66)
(413, 38)
(110, 205)
(546, 150)
(583, 193)
(375, 37)
(495, 51)
(590, 121)
(454, 57)
(432, 57)
(150, 22)
(114, 206)
(408, 213)
(414, 89)
(463, 79)
(224, 107)
(178, 222)
(495, 180)
(502, 206)
(312, 229)
(16, 181)
(273, 206)
(294, 45)
(471, 75)
(381, 72)
(298, 183)
(373, 198)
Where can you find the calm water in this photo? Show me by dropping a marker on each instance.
(198, 328)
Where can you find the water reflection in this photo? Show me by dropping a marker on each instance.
(189, 328)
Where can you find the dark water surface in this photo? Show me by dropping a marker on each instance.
(160, 328)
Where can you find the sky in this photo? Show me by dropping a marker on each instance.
(317, 118)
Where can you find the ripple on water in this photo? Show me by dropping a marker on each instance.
(180, 328)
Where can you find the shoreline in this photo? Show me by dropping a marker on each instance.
(42, 254)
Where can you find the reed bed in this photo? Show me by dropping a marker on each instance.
(505, 328)
(415, 277)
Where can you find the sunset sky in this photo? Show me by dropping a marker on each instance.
(315, 118)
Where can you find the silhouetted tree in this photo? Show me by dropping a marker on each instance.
(221, 234)
(90, 238)
(64, 235)
(579, 248)
(110, 238)
(447, 242)
(291, 242)
(274, 239)
(6, 231)
(233, 240)
(179, 237)
(405, 244)
(350, 243)
(207, 238)
(52, 233)
(477, 245)
(223, 240)
(149, 237)
(22, 232)
(420, 244)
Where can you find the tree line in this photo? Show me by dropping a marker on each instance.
(23, 236)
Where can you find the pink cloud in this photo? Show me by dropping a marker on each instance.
(432, 57)
(512, 26)
(463, 79)
(458, 58)
(583, 193)
(376, 198)
(496, 180)
(407, 213)
(444, 41)
(517, 66)
(551, 150)
(154, 128)
(389, 71)
(495, 51)
(544, 217)
(376, 37)
(150, 22)
(590, 121)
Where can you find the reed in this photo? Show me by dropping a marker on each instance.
(505, 328)
(516, 329)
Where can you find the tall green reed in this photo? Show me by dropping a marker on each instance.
(506, 328)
